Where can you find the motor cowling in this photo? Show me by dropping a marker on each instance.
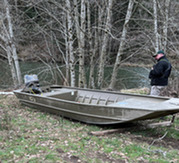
(32, 84)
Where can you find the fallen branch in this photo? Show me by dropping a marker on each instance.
(158, 151)
(105, 132)
(161, 124)
(6, 93)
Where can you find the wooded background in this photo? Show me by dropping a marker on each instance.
(87, 33)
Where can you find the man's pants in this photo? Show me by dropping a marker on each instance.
(157, 90)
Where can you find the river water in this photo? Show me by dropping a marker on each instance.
(128, 77)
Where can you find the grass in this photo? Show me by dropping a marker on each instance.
(27, 135)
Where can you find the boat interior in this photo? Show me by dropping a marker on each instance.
(95, 97)
(87, 97)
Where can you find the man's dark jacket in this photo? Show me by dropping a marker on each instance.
(160, 73)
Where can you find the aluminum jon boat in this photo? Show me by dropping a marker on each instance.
(97, 106)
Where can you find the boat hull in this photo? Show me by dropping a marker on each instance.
(67, 103)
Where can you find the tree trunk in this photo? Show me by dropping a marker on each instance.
(11, 49)
(11, 65)
(104, 46)
(156, 26)
(76, 19)
(120, 50)
(91, 54)
(82, 81)
(80, 32)
(15, 58)
(66, 58)
(165, 25)
(70, 44)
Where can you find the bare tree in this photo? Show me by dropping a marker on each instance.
(91, 54)
(7, 37)
(70, 43)
(122, 42)
(97, 37)
(104, 45)
(156, 26)
(165, 25)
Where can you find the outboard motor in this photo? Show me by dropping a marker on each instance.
(32, 84)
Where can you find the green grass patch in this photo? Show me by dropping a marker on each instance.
(27, 135)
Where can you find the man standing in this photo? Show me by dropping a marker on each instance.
(159, 74)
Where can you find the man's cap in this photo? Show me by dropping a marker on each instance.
(159, 52)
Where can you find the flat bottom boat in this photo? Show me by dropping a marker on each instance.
(97, 106)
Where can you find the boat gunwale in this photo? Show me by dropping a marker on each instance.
(95, 90)
(111, 92)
